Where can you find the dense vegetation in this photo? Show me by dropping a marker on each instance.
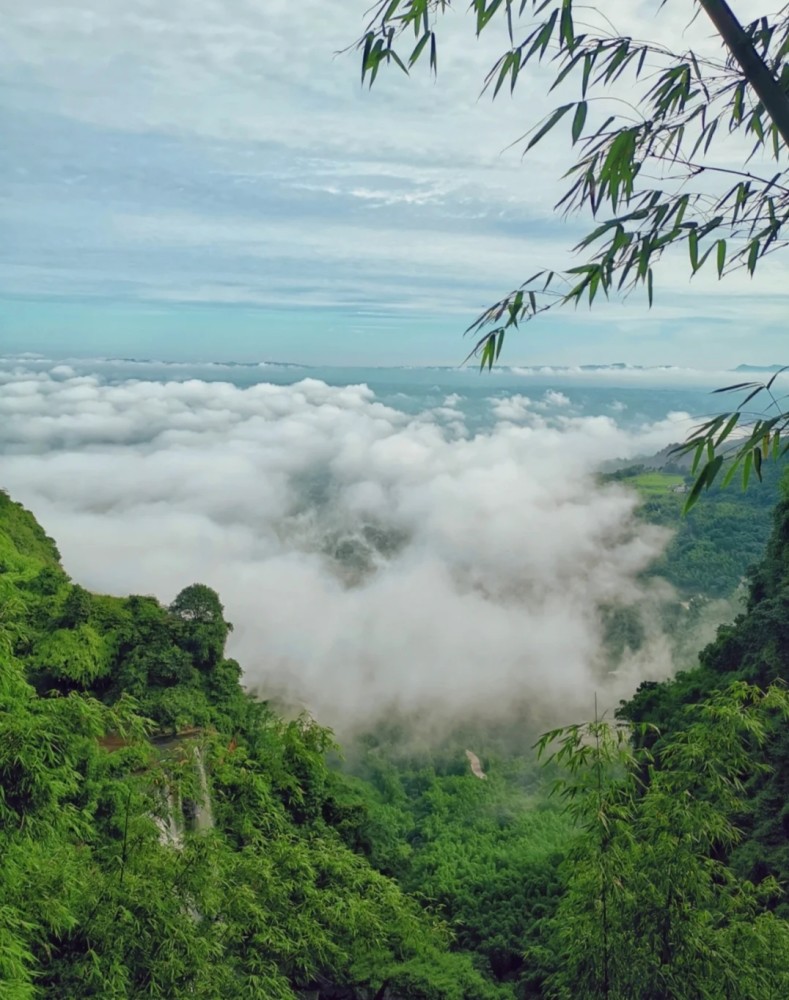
(753, 649)
(483, 852)
(95, 900)
(162, 834)
(718, 541)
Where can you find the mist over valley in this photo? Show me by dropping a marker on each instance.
(433, 543)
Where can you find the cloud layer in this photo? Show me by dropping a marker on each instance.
(369, 559)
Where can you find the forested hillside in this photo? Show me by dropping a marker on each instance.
(718, 541)
(115, 879)
(163, 834)
(753, 649)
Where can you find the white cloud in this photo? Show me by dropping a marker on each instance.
(216, 151)
(368, 559)
(554, 398)
(516, 408)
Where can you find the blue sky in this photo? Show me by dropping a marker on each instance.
(206, 179)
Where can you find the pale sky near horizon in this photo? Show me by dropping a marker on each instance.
(207, 179)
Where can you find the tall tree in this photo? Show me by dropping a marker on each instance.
(650, 909)
(648, 171)
(202, 628)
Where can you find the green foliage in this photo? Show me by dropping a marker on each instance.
(443, 976)
(645, 171)
(714, 547)
(115, 881)
(24, 546)
(69, 657)
(163, 834)
(484, 854)
(77, 608)
(200, 625)
(650, 910)
(685, 102)
(656, 483)
(756, 440)
(753, 649)
(198, 603)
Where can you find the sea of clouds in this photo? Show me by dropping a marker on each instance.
(370, 560)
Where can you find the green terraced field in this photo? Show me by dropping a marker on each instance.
(656, 483)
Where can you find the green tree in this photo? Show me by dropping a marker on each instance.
(754, 648)
(202, 628)
(96, 899)
(198, 603)
(76, 608)
(650, 909)
(647, 125)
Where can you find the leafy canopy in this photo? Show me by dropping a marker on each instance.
(649, 907)
(649, 128)
(117, 718)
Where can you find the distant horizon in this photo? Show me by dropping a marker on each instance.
(343, 338)
(535, 367)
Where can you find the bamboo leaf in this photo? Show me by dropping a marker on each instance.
(557, 115)
(735, 387)
(753, 255)
(579, 120)
(418, 49)
(775, 376)
(704, 480)
(693, 249)
(731, 471)
(730, 425)
(746, 469)
(721, 257)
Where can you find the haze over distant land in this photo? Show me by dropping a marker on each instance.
(169, 195)
(758, 368)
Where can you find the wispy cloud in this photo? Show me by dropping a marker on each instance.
(220, 152)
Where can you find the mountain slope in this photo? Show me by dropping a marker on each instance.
(161, 833)
(755, 649)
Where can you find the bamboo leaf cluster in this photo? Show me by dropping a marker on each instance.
(674, 153)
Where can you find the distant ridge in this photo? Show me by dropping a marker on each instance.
(758, 368)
